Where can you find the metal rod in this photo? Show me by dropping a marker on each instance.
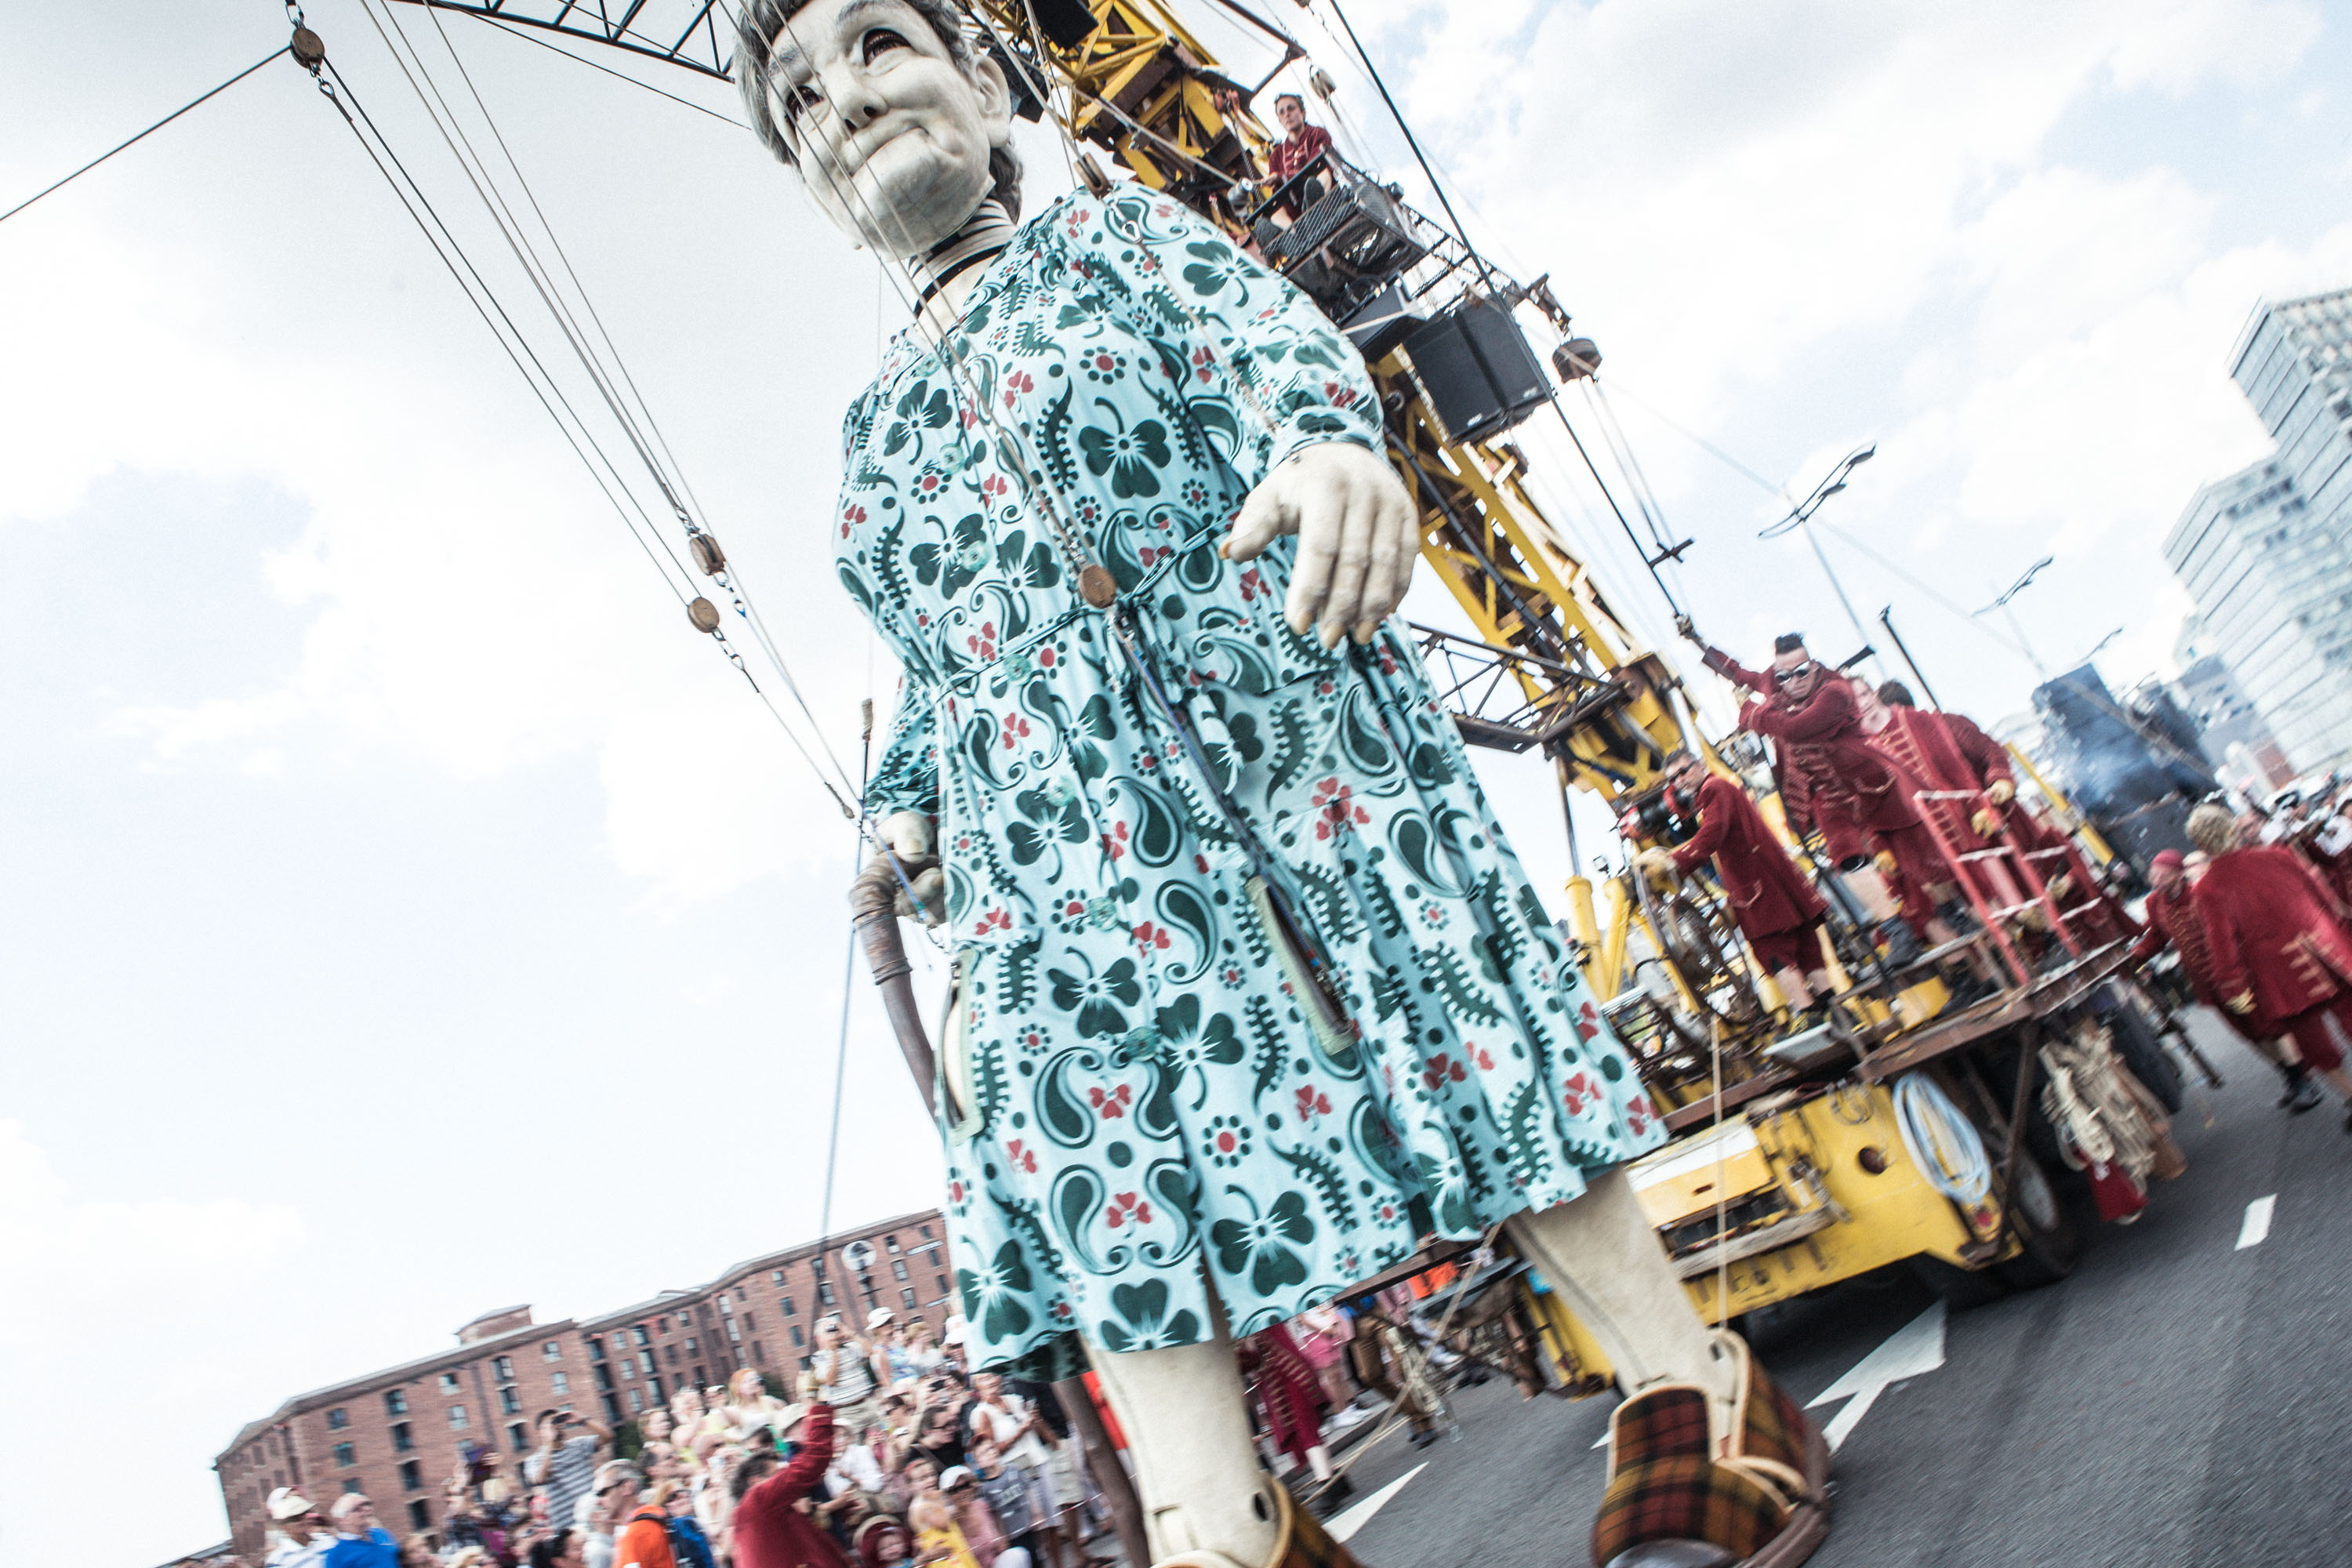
(1886, 619)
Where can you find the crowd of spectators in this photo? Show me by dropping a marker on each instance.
(890, 1452)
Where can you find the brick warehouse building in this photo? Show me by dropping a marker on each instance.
(395, 1434)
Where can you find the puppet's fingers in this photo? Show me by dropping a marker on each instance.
(1262, 519)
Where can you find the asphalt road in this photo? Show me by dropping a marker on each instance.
(2180, 1401)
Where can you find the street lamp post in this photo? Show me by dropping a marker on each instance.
(1801, 518)
(2003, 605)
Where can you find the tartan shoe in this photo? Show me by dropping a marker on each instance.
(1667, 1494)
(1772, 1437)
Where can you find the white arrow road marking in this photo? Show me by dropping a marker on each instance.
(1355, 1517)
(1917, 1347)
(2256, 1226)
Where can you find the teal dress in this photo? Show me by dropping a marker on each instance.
(1141, 1092)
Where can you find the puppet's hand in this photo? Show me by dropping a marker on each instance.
(1357, 537)
(911, 838)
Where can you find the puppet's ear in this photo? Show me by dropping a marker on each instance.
(995, 99)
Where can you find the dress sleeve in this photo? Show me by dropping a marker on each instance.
(906, 778)
(1262, 372)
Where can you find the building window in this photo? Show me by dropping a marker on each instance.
(777, 1278)
(552, 1351)
(628, 1370)
(784, 1305)
(890, 1244)
(420, 1516)
(519, 1436)
(448, 1383)
(645, 1361)
(612, 1409)
(906, 1296)
(725, 1304)
(351, 1484)
(402, 1443)
(700, 1375)
(643, 1338)
(673, 1353)
(758, 1356)
(636, 1400)
(824, 1295)
(689, 1345)
(898, 1267)
(927, 1231)
(338, 1418)
(509, 1401)
(797, 1341)
(395, 1402)
(345, 1456)
(457, 1418)
(734, 1334)
(944, 1284)
(503, 1368)
(558, 1385)
(747, 1318)
(595, 1349)
(411, 1477)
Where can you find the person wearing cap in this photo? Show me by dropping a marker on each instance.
(2282, 956)
(768, 1528)
(305, 1534)
(842, 1364)
(2172, 921)
(960, 1487)
(360, 1541)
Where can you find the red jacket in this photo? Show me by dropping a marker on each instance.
(2275, 929)
(1769, 894)
(769, 1532)
(1848, 785)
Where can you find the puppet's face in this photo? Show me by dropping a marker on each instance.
(892, 135)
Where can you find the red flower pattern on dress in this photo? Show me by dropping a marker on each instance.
(1578, 1091)
(1125, 1206)
(1204, 362)
(1588, 1022)
(1151, 938)
(1015, 728)
(1112, 1103)
(983, 642)
(1018, 382)
(1023, 1158)
(993, 485)
(1480, 1057)
(1337, 812)
(994, 920)
(1047, 658)
(1114, 843)
(1313, 1103)
(1442, 1069)
(1251, 585)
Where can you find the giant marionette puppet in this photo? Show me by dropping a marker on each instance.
(1246, 977)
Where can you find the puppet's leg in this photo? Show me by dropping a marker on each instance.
(1602, 1255)
(1206, 1502)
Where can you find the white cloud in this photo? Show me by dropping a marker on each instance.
(46, 1234)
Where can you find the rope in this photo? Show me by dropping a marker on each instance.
(1942, 1143)
(151, 130)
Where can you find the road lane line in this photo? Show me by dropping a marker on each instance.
(1915, 1348)
(1355, 1517)
(2257, 1223)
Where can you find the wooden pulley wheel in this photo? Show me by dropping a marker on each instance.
(707, 556)
(309, 49)
(704, 615)
(1097, 586)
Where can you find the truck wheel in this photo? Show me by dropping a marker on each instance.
(2053, 1242)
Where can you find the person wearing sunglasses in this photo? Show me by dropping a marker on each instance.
(305, 1534)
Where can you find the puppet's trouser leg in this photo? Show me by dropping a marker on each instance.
(1600, 1252)
(1188, 1430)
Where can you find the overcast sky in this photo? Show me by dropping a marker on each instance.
(405, 915)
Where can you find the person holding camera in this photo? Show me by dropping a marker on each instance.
(565, 1461)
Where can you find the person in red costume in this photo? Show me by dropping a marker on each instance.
(1832, 774)
(2280, 954)
(2172, 923)
(1772, 901)
(1945, 751)
(769, 1528)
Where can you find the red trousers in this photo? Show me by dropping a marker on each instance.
(1797, 948)
(2309, 1030)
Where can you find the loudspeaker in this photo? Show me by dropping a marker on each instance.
(1065, 22)
(1481, 377)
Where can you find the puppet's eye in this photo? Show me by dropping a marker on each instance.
(882, 41)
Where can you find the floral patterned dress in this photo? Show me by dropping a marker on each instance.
(1135, 1103)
